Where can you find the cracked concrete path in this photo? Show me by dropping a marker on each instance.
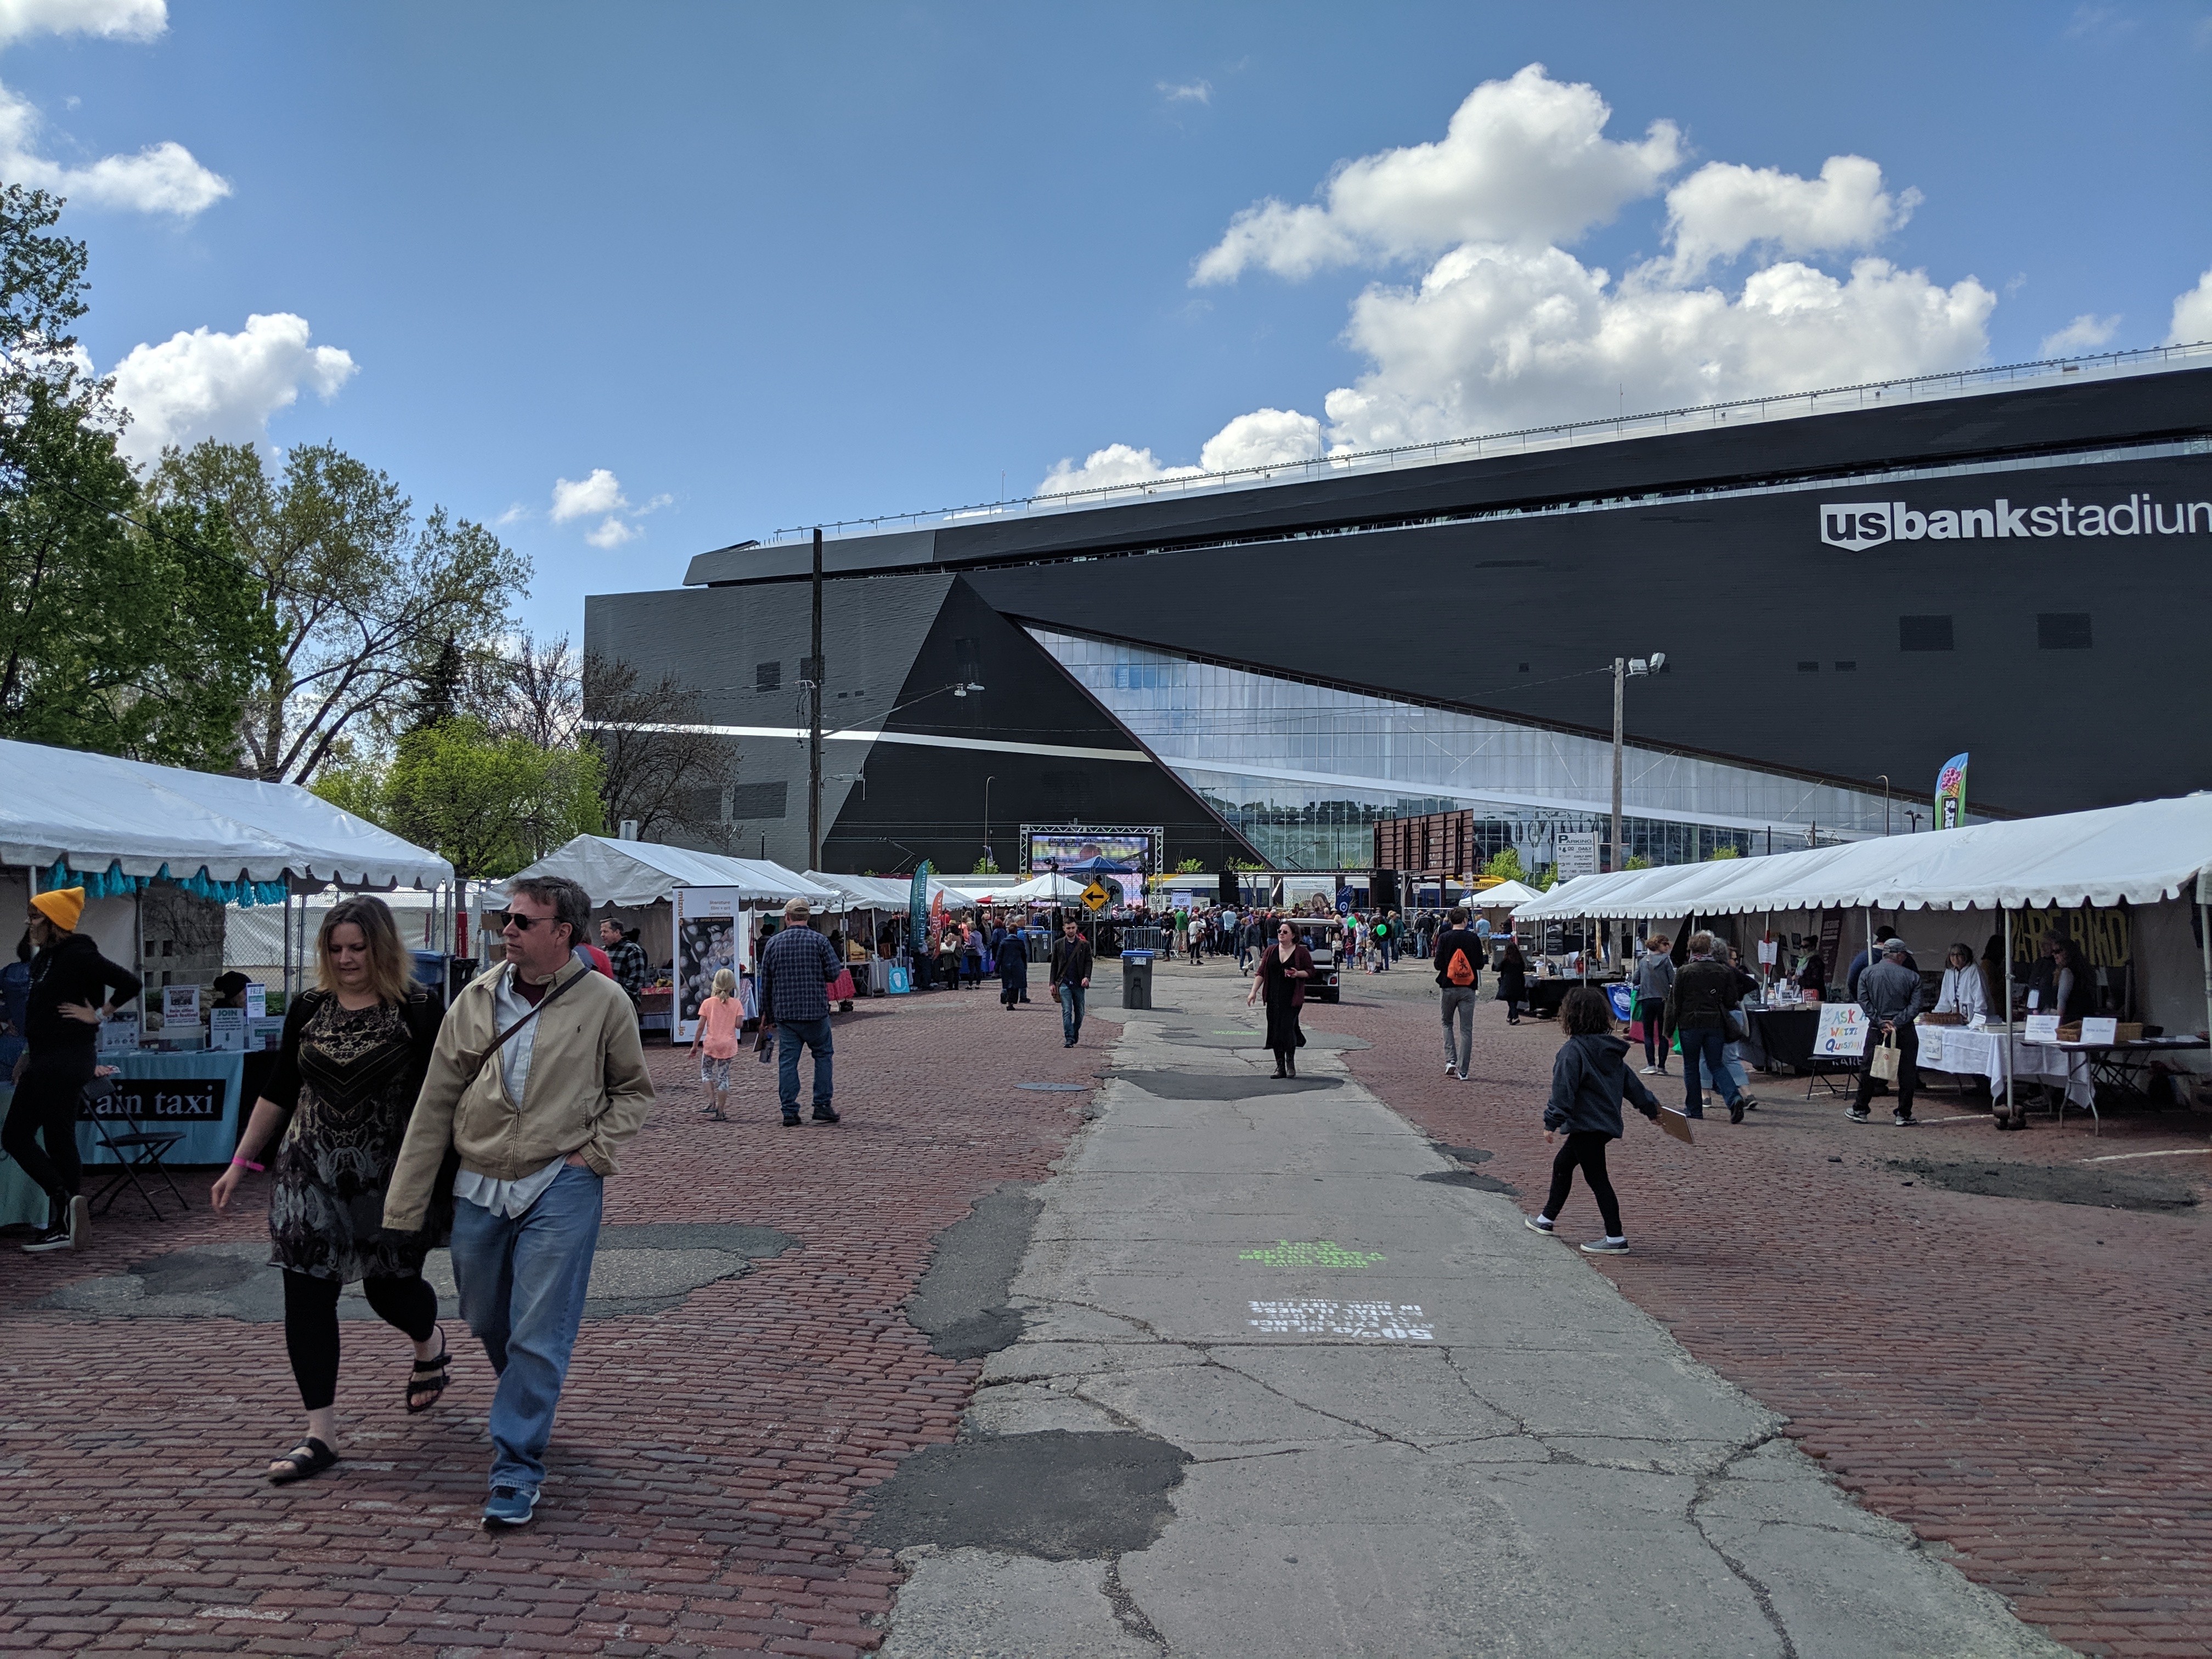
(1413, 1427)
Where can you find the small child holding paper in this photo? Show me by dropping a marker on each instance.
(1589, 1078)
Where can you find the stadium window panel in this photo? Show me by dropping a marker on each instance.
(1923, 632)
(2063, 630)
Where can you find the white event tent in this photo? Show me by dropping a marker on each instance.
(888, 892)
(68, 818)
(1504, 897)
(631, 874)
(2154, 855)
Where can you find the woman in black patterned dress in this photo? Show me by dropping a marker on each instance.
(354, 1055)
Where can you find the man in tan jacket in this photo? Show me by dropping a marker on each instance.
(536, 1123)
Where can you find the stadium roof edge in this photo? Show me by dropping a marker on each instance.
(2137, 396)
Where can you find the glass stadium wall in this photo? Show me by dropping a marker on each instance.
(1305, 771)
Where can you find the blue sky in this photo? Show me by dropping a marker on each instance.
(765, 265)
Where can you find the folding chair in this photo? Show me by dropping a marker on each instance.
(140, 1149)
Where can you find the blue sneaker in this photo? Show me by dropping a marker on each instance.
(508, 1507)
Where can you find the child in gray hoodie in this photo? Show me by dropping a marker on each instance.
(1589, 1077)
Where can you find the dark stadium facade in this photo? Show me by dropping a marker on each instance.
(1848, 589)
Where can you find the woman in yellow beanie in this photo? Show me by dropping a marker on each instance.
(73, 989)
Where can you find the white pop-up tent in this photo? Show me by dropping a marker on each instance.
(1504, 897)
(888, 892)
(631, 874)
(96, 815)
(2154, 856)
(2141, 854)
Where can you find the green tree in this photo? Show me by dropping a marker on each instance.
(1637, 861)
(1724, 852)
(1505, 866)
(368, 602)
(490, 803)
(127, 626)
(986, 865)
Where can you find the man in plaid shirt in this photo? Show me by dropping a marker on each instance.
(627, 957)
(797, 966)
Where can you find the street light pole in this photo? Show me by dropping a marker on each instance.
(1619, 683)
(986, 820)
(814, 731)
(1884, 776)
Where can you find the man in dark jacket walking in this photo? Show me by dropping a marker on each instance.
(1698, 1008)
(1590, 1078)
(73, 989)
(1071, 978)
(798, 967)
(1889, 993)
(1459, 972)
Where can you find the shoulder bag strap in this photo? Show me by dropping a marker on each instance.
(544, 1003)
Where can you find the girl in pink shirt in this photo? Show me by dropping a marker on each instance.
(720, 1016)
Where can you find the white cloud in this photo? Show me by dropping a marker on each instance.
(114, 19)
(1504, 328)
(162, 178)
(1186, 91)
(1523, 160)
(205, 385)
(1265, 437)
(515, 513)
(1723, 208)
(600, 492)
(2192, 315)
(1104, 469)
(1497, 338)
(2084, 333)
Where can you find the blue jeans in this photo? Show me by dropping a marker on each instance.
(1706, 1047)
(789, 1033)
(1070, 1010)
(522, 1280)
(1734, 1060)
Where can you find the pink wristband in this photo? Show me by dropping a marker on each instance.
(246, 1163)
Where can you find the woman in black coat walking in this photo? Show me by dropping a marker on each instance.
(1513, 981)
(1281, 978)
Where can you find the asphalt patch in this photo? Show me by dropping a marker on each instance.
(639, 1268)
(1481, 1183)
(1464, 1154)
(1322, 1041)
(961, 1300)
(1056, 1495)
(2055, 1184)
(1207, 1086)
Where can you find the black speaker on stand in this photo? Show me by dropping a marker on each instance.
(1382, 890)
(1226, 892)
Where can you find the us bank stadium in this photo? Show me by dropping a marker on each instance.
(1848, 587)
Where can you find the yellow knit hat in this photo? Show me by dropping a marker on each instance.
(61, 907)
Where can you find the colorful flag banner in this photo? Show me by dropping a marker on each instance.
(1951, 792)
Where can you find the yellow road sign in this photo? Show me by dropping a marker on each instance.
(1097, 895)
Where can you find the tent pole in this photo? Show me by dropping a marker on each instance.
(2007, 1011)
(2204, 932)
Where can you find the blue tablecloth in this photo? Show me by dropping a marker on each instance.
(207, 1141)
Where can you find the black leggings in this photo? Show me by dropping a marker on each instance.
(47, 1099)
(1585, 1147)
(310, 1325)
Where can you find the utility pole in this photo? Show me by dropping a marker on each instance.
(814, 733)
(1619, 682)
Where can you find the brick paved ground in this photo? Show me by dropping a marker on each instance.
(706, 1458)
(2028, 1384)
(2024, 1382)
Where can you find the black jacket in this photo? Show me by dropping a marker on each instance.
(1890, 992)
(1590, 1075)
(1458, 938)
(71, 969)
(1071, 960)
(1703, 994)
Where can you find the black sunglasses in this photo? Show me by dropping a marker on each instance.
(501, 920)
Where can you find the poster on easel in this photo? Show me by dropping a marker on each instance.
(713, 932)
